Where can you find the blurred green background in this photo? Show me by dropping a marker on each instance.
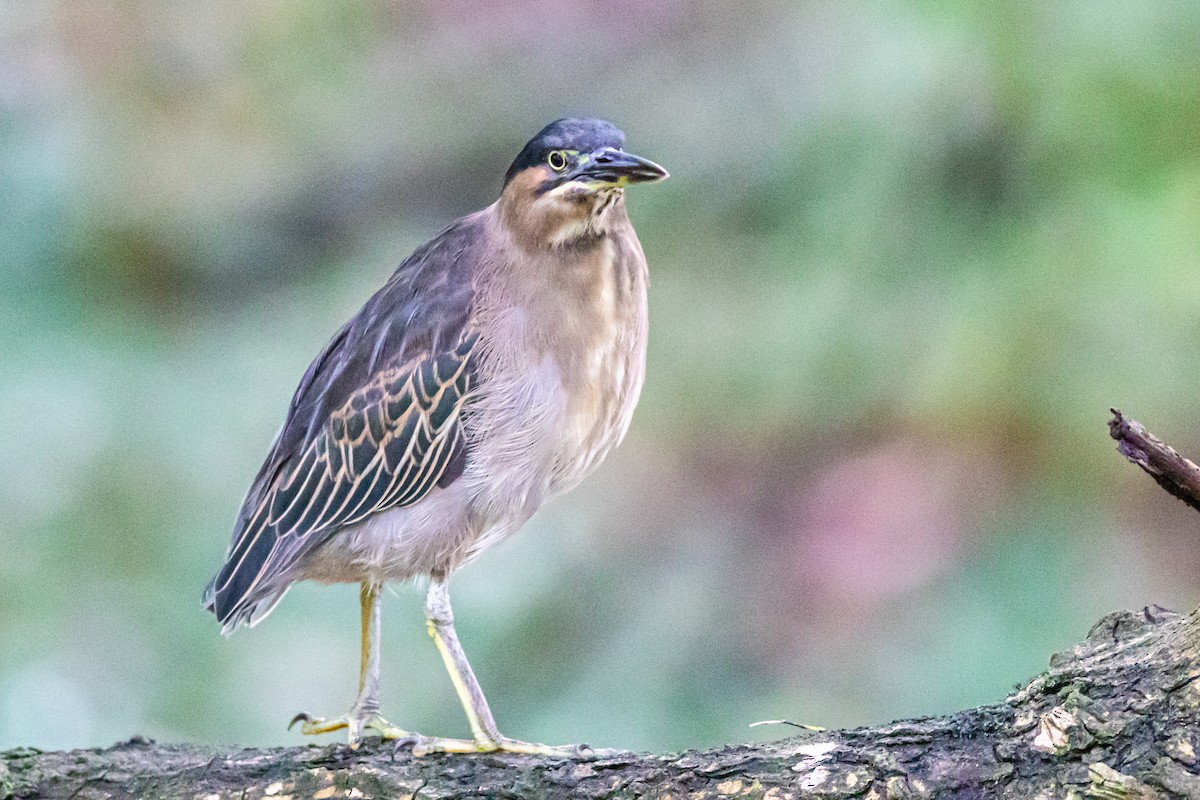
(910, 254)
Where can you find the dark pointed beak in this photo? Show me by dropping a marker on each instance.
(614, 167)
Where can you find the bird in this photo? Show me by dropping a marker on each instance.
(494, 370)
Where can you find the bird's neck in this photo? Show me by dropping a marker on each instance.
(558, 221)
(555, 293)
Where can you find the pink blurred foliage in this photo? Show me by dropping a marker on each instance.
(876, 525)
(854, 533)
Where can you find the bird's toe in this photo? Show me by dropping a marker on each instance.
(312, 726)
(357, 725)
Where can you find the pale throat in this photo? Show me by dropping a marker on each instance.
(575, 212)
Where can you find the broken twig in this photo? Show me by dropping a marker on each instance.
(1173, 472)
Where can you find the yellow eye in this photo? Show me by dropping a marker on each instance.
(557, 160)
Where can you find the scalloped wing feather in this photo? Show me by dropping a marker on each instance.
(374, 424)
(386, 447)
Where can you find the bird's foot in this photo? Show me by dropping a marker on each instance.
(356, 723)
(424, 745)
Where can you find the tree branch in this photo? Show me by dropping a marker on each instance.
(1116, 716)
(1171, 471)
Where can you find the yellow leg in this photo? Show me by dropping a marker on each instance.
(487, 738)
(439, 621)
(364, 715)
(368, 670)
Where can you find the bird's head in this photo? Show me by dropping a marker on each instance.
(568, 181)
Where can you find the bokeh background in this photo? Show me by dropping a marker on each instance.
(910, 254)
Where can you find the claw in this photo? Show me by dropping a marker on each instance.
(410, 741)
(301, 717)
(355, 722)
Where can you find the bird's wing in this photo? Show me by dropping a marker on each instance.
(375, 424)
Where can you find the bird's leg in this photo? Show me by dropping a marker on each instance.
(486, 737)
(365, 713)
(439, 620)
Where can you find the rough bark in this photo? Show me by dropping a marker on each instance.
(1117, 716)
